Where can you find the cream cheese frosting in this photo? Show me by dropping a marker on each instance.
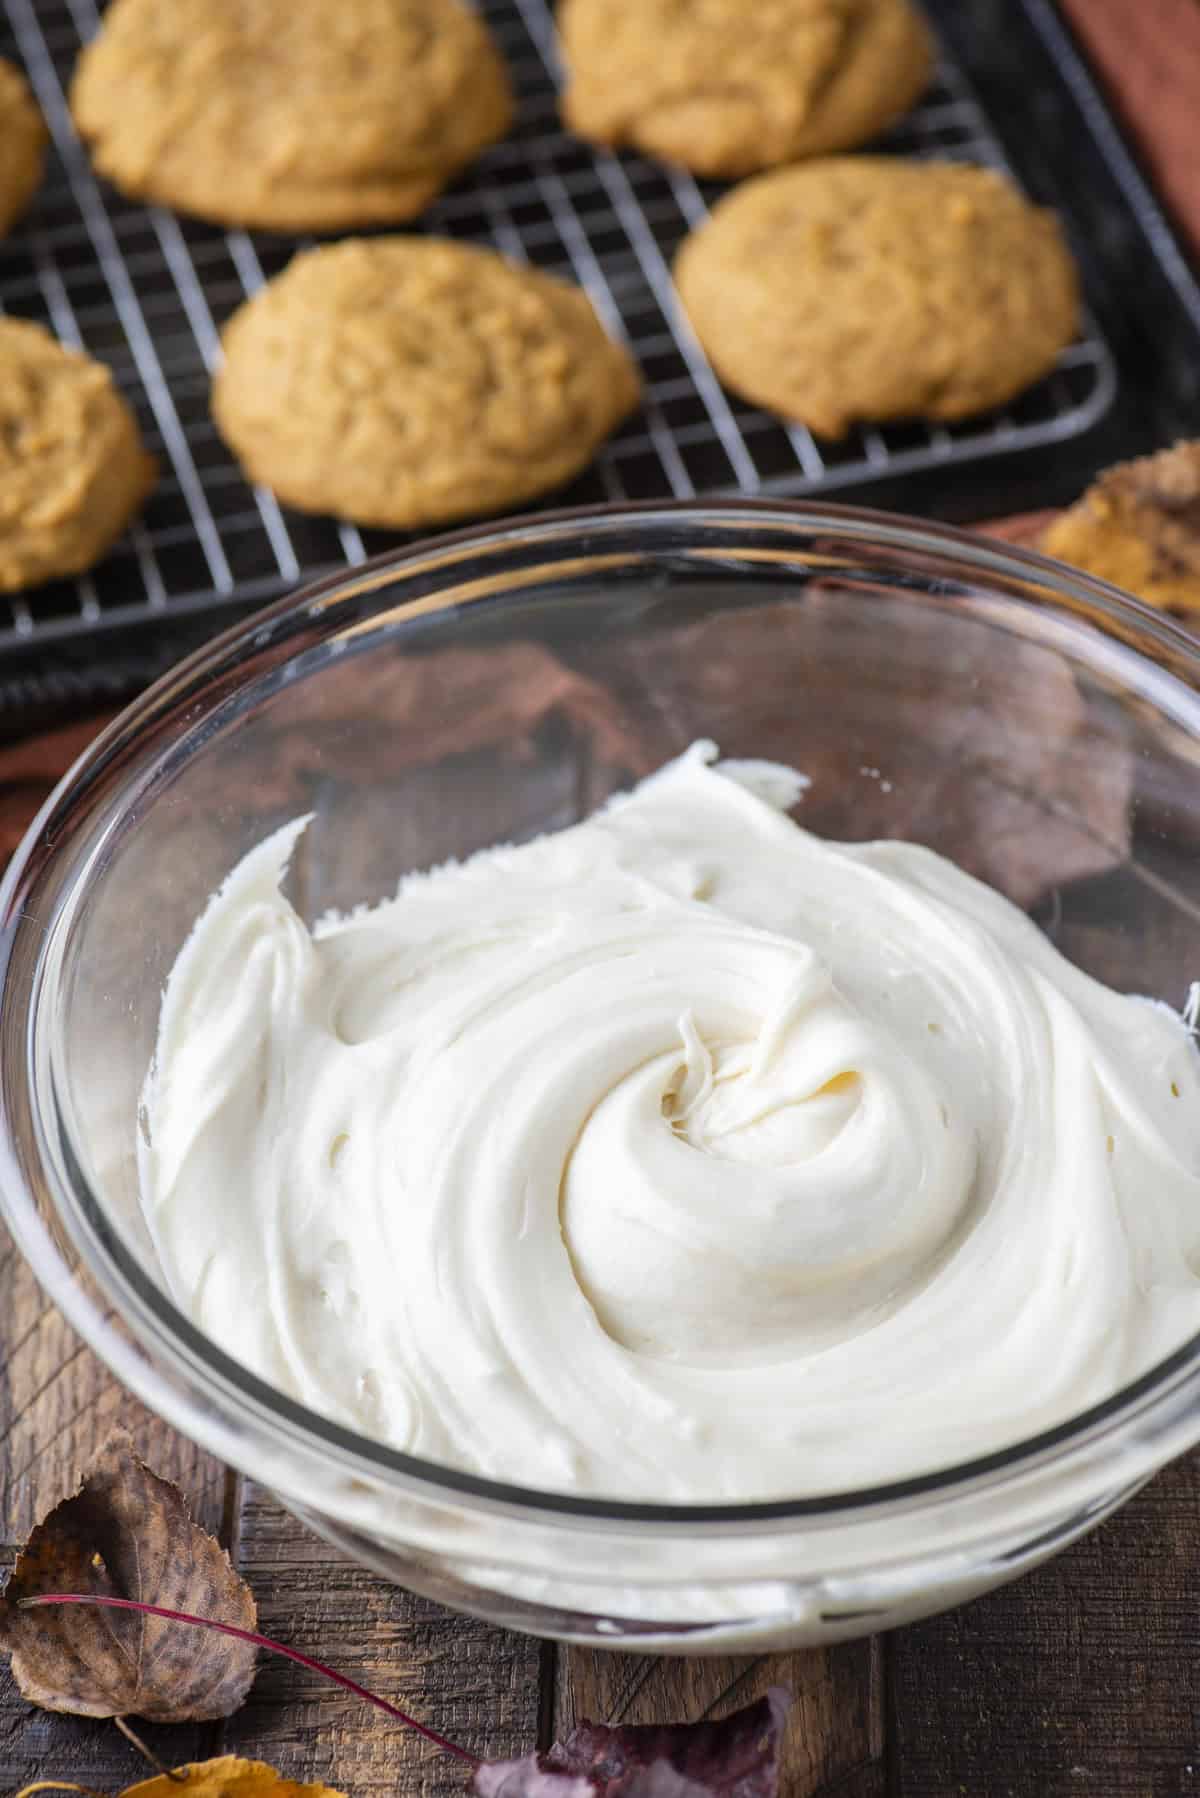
(681, 1155)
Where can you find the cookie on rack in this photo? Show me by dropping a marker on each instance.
(860, 288)
(727, 88)
(1138, 526)
(22, 145)
(313, 117)
(73, 470)
(405, 381)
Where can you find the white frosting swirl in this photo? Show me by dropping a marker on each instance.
(678, 1155)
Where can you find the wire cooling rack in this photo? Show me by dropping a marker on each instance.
(148, 291)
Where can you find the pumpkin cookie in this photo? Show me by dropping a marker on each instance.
(727, 88)
(1138, 526)
(22, 145)
(312, 117)
(869, 288)
(72, 467)
(405, 381)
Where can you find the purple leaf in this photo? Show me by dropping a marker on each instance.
(737, 1757)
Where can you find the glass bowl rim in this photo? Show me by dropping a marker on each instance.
(293, 1424)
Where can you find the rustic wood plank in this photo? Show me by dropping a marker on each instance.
(57, 1403)
(479, 1686)
(1079, 1679)
(29, 771)
(834, 1739)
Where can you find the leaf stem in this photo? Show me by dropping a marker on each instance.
(148, 1754)
(249, 1635)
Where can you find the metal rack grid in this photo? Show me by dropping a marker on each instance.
(148, 291)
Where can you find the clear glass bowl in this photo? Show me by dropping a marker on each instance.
(1029, 722)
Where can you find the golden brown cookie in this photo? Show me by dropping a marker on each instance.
(404, 381)
(22, 145)
(72, 467)
(864, 287)
(294, 117)
(1138, 526)
(727, 87)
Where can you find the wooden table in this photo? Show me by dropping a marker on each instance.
(1080, 1679)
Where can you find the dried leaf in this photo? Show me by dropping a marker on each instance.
(737, 1757)
(226, 1777)
(1009, 776)
(392, 711)
(126, 1533)
(57, 1785)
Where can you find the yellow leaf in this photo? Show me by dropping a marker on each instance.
(227, 1777)
(56, 1785)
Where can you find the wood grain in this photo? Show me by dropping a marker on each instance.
(1078, 1680)
(57, 1404)
(480, 1686)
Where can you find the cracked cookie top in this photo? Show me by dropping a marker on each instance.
(291, 117)
(405, 381)
(22, 145)
(867, 288)
(727, 88)
(72, 466)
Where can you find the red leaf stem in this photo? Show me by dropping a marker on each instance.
(248, 1635)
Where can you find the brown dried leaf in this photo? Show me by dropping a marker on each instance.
(226, 1777)
(1008, 776)
(375, 715)
(127, 1533)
